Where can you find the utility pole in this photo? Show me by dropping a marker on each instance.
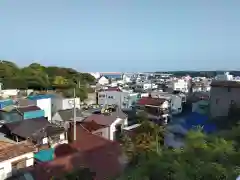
(74, 109)
(74, 115)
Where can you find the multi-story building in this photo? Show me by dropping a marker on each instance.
(222, 95)
(180, 85)
(116, 96)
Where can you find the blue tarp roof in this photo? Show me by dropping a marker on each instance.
(45, 155)
(196, 119)
(37, 97)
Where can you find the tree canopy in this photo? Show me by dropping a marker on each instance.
(211, 157)
(39, 77)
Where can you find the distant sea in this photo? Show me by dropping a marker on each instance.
(112, 76)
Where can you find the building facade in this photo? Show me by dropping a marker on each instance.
(222, 95)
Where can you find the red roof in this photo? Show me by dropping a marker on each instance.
(101, 156)
(151, 101)
(113, 89)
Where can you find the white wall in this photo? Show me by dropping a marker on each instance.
(7, 166)
(10, 92)
(124, 122)
(46, 105)
(103, 81)
(68, 103)
(64, 103)
(176, 104)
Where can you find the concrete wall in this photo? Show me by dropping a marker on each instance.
(221, 99)
(64, 103)
(46, 105)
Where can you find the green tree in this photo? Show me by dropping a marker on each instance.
(203, 157)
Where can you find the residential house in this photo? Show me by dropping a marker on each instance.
(223, 94)
(175, 100)
(158, 109)
(15, 114)
(116, 96)
(15, 157)
(44, 102)
(103, 80)
(38, 130)
(107, 125)
(144, 86)
(180, 85)
(89, 151)
(60, 103)
(63, 116)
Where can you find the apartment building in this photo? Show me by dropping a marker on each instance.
(222, 95)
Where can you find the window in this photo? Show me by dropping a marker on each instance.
(217, 101)
(229, 89)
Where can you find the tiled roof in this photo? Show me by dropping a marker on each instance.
(67, 114)
(151, 101)
(10, 150)
(101, 156)
(101, 119)
(92, 125)
(33, 128)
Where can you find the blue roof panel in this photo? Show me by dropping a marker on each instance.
(45, 155)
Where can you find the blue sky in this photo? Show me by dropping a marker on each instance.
(122, 35)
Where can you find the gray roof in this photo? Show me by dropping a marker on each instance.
(36, 128)
(25, 102)
(67, 114)
(106, 119)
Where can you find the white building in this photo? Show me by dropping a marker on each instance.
(60, 103)
(15, 157)
(145, 86)
(176, 101)
(96, 75)
(115, 96)
(45, 103)
(103, 80)
(180, 85)
(224, 77)
(126, 78)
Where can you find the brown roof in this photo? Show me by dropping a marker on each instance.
(92, 125)
(10, 150)
(151, 101)
(28, 108)
(92, 151)
(101, 119)
(231, 84)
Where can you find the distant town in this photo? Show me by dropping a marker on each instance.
(57, 121)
